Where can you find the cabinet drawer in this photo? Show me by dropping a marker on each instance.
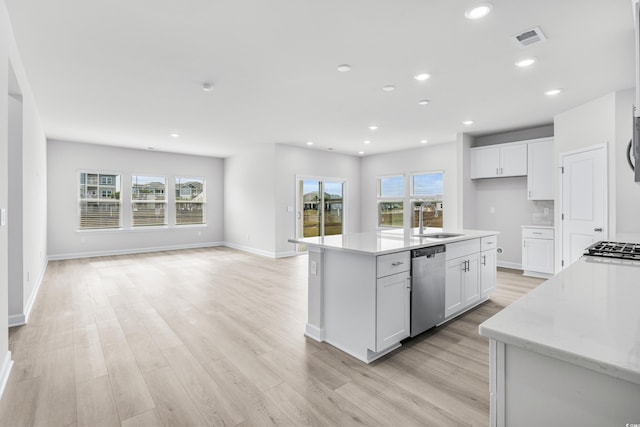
(537, 233)
(393, 263)
(490, 242)
(464, 248)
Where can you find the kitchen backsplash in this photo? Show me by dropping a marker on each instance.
(543, 213)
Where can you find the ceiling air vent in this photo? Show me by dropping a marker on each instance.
(529, 37)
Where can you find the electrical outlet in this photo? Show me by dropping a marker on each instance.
(546, 211)
(314, 267)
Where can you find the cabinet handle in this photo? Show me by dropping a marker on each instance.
(497, 171)
(536, 232)
(524, 243)
(529, 193)
(484, 260)
(409, 283)
(598, 230)
(397, 263)
(501, 171)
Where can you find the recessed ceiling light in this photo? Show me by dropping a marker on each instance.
(424, 102)
(330, 149)
(150, 148)
(424, 141)
(207, 87)
(175, 135)
(343, 68)
(373, 127)
(421, 77)
(467, 122)
(361, 152)
(523, 63)
(478, 11)
(309, 142)
(389, 88)
(553, 92)
(367, 142)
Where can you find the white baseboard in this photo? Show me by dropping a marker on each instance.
(507, 264)
(130, 251)
(35, 291)
(315, 333)
(250, 250)
(5, 370)
(288, 254)
(17, 320)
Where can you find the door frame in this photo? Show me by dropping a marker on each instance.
(298, 212)
(605, 149)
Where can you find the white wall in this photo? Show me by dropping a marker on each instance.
(249, 202)
(627, 209)
(588, 124)
(33, 182)
(292, 161)
(67, 159)
(16, 250)
(437, 157)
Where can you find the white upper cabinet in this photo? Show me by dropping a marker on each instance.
(541, 171)
(501, 160)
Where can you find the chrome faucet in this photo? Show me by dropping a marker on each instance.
(421, 215)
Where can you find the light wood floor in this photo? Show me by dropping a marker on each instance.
(215, 337)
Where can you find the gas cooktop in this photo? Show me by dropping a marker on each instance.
(615, 250)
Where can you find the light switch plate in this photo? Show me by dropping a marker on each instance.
(3, 217)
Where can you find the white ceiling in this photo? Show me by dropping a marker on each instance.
(129, 72)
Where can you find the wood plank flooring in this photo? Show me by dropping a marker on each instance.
(214, 337)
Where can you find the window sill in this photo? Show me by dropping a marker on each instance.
(143, 228)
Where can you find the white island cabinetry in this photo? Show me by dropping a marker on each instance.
(393, 299)
(359, 287)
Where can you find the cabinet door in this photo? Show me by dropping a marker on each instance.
(513, 160)
(472, 281)
(392, 310)
(453, 294)
(485, 162)
(487, 273)
(540, 170)
(537, 255)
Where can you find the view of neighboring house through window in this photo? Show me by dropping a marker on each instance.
(148, 200)
(99, 201)
(190, 201)
(390, 201)
(427, 191)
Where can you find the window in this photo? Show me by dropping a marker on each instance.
(190, 201)
(99, 205)
(427, 191)
(148, 200)
(391, 201)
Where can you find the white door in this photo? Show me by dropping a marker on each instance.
(584, 201)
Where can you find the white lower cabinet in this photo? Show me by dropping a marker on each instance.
(393, 315)
(488, 260)
(537, 251)
(462, 279)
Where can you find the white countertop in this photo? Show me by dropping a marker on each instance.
(588, 315)
(539, 226)
(387, 241)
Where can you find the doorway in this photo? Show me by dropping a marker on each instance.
(320, 208)
(583, 196)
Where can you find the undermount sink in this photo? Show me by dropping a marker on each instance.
(440, 235)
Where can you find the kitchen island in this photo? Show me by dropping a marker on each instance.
(359, 285)
(568, 353)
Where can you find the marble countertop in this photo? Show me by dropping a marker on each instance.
(588, 315)
(388, 241)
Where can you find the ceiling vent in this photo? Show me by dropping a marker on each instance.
(529, 37)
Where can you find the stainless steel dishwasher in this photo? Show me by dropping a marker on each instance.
(428, 269)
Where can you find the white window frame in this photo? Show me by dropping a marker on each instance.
(98, 196)
(390, 199)
(420, 198)
(203, 203)
(165, 201)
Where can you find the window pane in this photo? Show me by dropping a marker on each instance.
(311, 208)
(428, 185)
(391, 186)
(148, 195)
(99, 200)
(390, 214)
(190, 201)
(332, 208)
(429, 189)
